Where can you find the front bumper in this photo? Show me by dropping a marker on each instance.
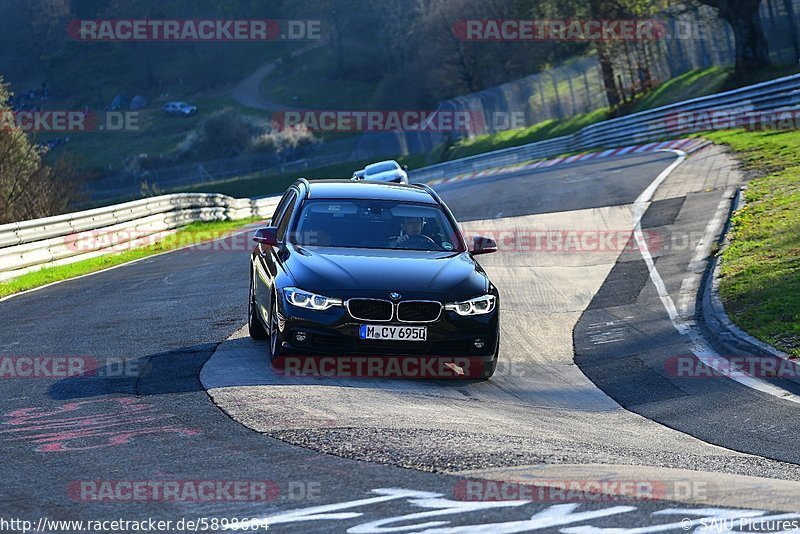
(334, 332)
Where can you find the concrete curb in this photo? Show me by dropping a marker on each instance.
(718, 324)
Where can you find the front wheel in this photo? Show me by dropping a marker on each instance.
(490, 367)
(275, 337)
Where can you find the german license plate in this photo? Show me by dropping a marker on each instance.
(393, 333)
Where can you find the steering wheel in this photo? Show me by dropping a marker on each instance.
(419, 241)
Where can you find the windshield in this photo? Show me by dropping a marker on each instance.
(383, 224)
(381, 167)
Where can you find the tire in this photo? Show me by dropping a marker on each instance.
(274, 334)
(254, 324)
(489, 368)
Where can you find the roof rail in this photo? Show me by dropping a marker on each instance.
(431, 192)
(427, 188)
(303, 181)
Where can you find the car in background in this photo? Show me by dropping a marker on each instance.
(358, 175)
(372, 269)
(180, 109)
(386, 171)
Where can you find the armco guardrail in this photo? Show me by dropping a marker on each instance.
(652, 125)
(30, 245)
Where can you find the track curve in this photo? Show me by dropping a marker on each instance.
(174, 319)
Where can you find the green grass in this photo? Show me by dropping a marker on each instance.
(761, 268)
(203, 77)
(311, 82)
(537, 132)
(193, 233)
(157, 134)
(258, 185)
(691, 84)
(760, 75)
(702, 82)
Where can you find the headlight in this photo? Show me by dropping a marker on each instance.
(477, 306)
(308, 300)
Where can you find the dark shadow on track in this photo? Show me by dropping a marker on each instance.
(175, 371)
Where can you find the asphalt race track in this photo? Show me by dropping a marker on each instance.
(582, 393)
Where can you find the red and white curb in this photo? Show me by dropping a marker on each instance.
(687, 145)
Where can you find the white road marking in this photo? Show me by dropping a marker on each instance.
(698, 262)
(687, 327)
(436, 508)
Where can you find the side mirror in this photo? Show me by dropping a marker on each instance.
(483, 245)
(267, 235)
(405, 168)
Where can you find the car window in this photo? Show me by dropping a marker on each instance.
(381, 167)
(279, 209)
(286, 216)
(383, 224)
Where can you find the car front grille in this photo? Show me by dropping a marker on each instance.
(370, 309)
(418, 311)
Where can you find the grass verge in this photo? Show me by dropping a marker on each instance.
(761, 268)
(197, 232)
(689, 85)
(692, 84)
(537, 132)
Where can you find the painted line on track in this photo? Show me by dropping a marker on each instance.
(688, 145)
(687, 327)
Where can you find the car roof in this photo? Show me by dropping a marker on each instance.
(368, 190)
(381, 163)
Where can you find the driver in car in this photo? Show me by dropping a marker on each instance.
(411, 226)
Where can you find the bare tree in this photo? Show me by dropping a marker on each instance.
(28, 188)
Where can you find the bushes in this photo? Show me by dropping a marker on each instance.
(226, 133)
(282, 141)
(29, 189)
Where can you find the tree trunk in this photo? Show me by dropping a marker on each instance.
(572, 95)
(607, 70)
(597, 11)
(787, 4)
(588, 89)
(559, 108)
(751, 44)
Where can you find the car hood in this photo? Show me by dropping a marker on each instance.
(383, 176)
(345, 272)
